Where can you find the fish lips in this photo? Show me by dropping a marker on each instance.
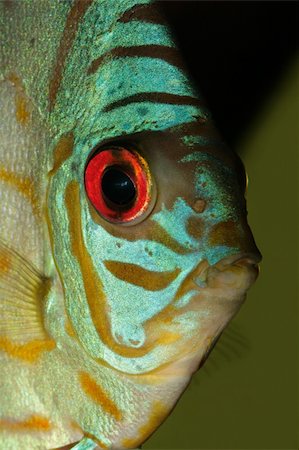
(229, 277)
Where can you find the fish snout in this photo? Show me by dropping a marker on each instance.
(231, 275)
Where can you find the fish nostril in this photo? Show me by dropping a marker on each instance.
(199, 205)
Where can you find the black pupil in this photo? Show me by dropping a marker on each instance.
(118, 187)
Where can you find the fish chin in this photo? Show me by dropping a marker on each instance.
(221, 290)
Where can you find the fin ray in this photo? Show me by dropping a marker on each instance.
(23, 290)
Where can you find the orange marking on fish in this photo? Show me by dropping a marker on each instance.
(157, 233)
(22, 113)
(29, 352)
(62, 151)
(21, 101)
(75, 14)
(24, 185)
(5, 263)
(134, 274)
(226, 233)
(168, 337)
(33, 423)
(195, 227)
(158, 414)
(98, 395)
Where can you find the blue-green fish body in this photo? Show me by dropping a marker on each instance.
(124, 247)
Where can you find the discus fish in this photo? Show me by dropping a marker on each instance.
(125, 248)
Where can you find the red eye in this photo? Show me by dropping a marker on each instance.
(118, 184)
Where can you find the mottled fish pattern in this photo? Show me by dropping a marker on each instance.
(124, 244)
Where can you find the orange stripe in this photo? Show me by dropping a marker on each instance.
(33, 423)
(62, 151)
(75, 14)
(28, 352)
(22, 113)
(5, 263)
(134, 274)
(98, 395)
(21, 101)
(24, 185)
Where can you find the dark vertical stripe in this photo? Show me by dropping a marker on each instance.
(75, 14)
(9, 4)
(144, 13)
(163, 52)
(153, 97)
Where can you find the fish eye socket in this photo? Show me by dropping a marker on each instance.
(119, 185)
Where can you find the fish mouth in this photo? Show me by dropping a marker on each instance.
(219, 291)
(236, 272)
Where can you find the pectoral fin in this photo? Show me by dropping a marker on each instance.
(23, 291)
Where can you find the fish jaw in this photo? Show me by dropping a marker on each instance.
(230, 277)
(220, 291)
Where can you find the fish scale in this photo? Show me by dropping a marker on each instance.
(108, 308)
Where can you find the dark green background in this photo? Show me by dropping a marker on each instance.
(246, 395)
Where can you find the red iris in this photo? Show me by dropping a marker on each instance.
(118, 184)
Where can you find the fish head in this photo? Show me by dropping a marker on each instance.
(146, 206)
